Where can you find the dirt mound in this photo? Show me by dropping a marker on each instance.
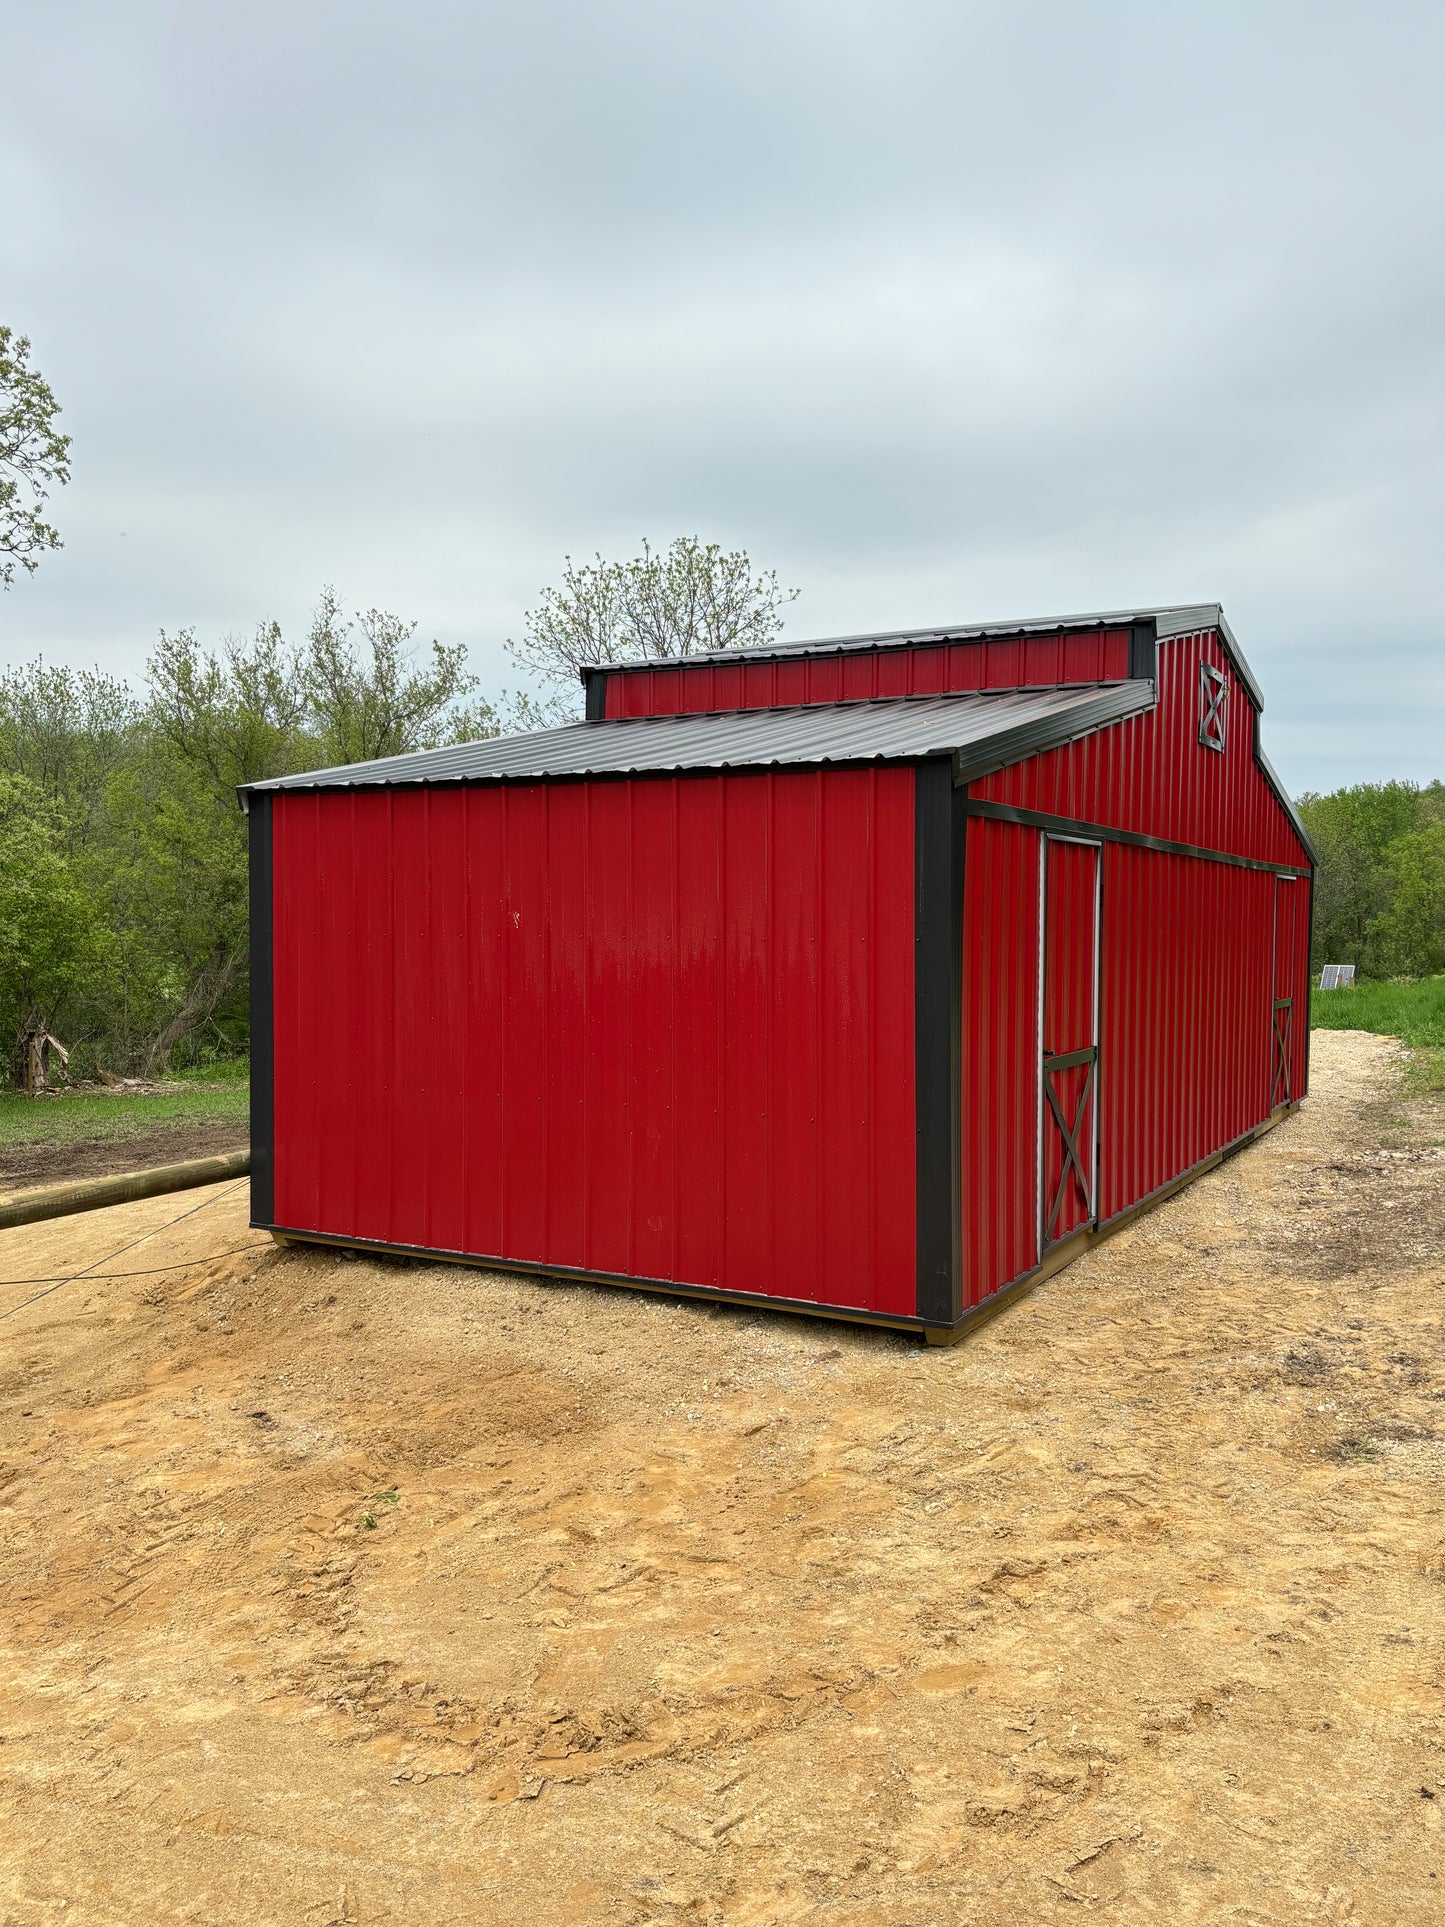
(344, 1591)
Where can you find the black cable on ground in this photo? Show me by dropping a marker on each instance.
(86, 1270)
(59, 1278)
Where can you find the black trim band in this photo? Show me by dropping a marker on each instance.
(937, 1033)
(1067, 826)
(263, 1096)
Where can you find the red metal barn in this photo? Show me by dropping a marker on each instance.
(872, 977)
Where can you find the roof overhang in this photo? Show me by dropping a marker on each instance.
(979, 732)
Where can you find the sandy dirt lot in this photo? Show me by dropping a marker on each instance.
(343, 1592)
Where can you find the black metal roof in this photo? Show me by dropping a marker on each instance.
(980, 732)
(1179, 619)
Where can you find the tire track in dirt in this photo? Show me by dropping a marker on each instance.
(348, 1591)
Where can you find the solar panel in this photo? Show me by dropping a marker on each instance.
(1337, 976)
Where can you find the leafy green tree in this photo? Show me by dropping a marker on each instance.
(232, 716)
(1379, 901)
(67, 730)
(51, 937)
(178, 898)
(1353, 830)
(33, 456)
(378, 701)
(690, 597)
(1407, 938)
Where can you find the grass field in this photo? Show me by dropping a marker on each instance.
(74, 1116)
(1415, 1013)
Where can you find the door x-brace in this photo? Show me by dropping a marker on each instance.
(1213, 689)
(1283, 1049)
(1073, 1162)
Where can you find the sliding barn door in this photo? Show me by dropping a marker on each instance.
(1290, 905)
(1069, 1035)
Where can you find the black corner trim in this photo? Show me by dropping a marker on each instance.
(937, 1025)
(955, 1043)
(594, 681)
(1309, 979)
(263, 1097)
(1144, 651)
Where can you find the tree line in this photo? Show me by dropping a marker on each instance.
(1380, 882)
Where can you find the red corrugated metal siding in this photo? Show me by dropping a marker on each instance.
(999, 1056)
(1070, 970)
(661, 1028)
(1185, 1044)
(1152, 775)
(926, 669)
(1291, 978)
(1185, 1012)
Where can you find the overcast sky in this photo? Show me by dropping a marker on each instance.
(945, 311)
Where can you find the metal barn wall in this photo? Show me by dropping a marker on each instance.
(1187, 962)
(1152, 775)
(1185, 1013)
(999, 1071)
(661, 1028)
(1184, 1034)
(1292, 976)
(853, 675)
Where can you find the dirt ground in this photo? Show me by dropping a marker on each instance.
(51, 1161)
(335, 1591)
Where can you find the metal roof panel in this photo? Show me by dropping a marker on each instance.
(980, 731)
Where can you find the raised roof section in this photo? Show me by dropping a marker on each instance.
(1122, 640)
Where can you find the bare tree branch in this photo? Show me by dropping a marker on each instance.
(678, 601)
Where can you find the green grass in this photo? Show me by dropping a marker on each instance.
(1415, 1013)
(61, 1120)
(218, 1070)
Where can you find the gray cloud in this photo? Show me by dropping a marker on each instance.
(947, 311)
